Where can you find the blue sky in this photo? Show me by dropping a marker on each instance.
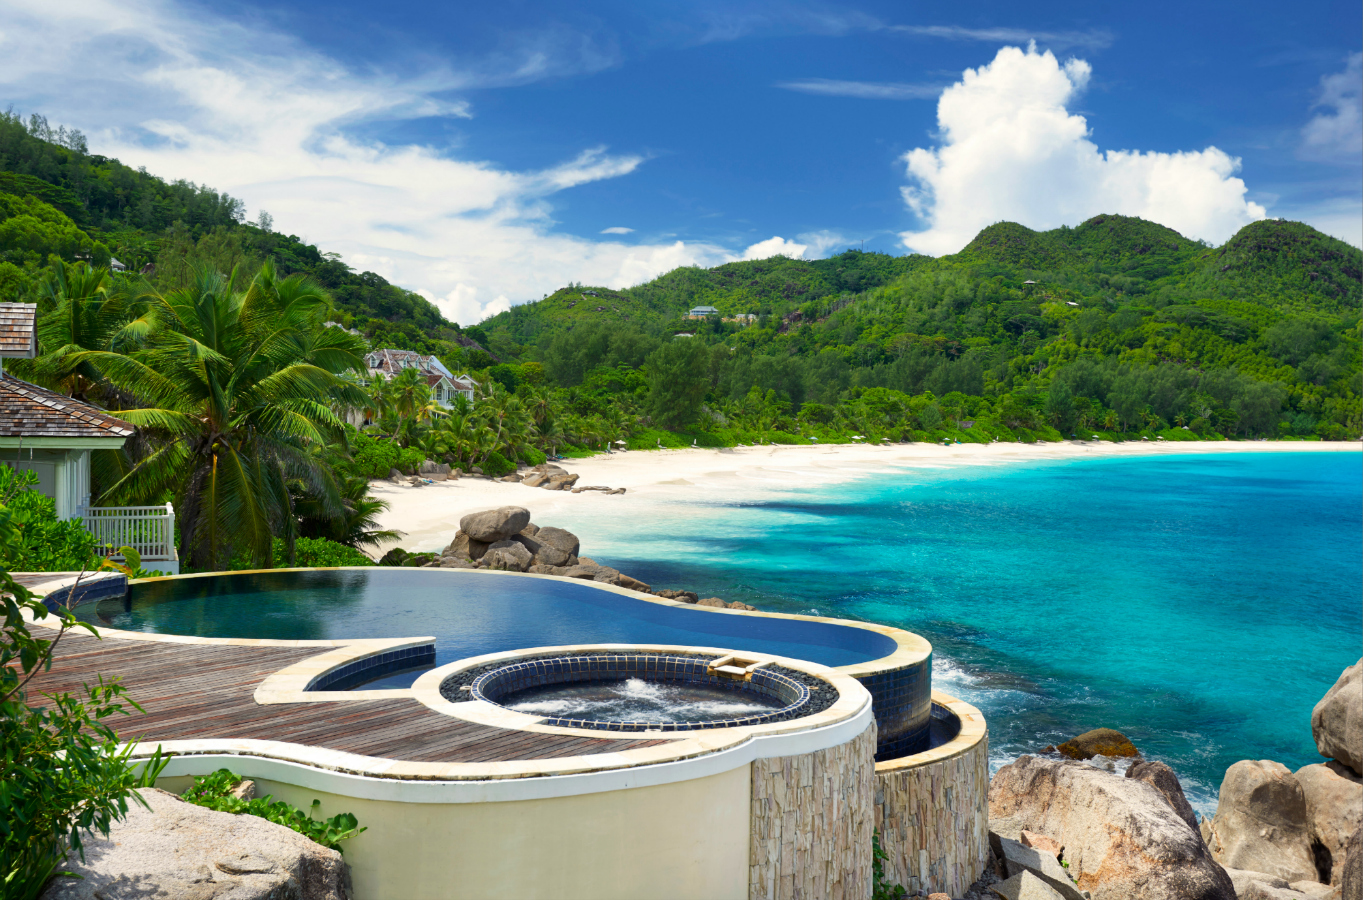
(486, 154)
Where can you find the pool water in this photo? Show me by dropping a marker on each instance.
(468, 613)
(638, 700)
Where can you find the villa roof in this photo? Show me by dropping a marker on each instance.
(18, 336)
(27, 410)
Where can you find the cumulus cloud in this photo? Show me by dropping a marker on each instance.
(1010, 149)
(775, 246)
(268, 119)
(617, 229)
(1336, 132)
(864, 90)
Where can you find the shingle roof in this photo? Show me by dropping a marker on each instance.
(27, 410)
(18, 337)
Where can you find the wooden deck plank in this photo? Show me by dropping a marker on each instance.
(198, 691)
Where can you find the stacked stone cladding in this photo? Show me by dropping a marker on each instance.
(811, 823)
(933, 821)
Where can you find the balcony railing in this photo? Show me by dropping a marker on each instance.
(150, 530)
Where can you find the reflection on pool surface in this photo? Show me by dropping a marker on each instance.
(469, 614)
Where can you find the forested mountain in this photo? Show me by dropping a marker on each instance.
(58, 199)
(1117, 325)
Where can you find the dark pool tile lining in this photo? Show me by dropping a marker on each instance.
(371, 667)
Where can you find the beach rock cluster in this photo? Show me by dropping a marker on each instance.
(555, 478)
(177, 850)
(1078, 828)
(1288, 835)
(505, 539)
(427, 473)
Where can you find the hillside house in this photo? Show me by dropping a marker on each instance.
(52, 435)
(701, 312)
(444, 384)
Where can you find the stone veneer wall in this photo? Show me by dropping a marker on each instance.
(811, 823)
(933, 821)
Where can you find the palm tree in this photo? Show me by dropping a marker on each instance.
(356, 525)
(233, 391)
(410, 396)
(89, 313)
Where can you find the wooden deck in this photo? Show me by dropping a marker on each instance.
(196, 692)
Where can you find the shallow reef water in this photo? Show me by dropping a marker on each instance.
(1200, 603)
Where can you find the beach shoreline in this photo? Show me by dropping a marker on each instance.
(428, 515)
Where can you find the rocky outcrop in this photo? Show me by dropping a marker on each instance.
(1334, 805)
(1099, 742)
(178, 851)
(1122, 838)
(493, 525)
(510, 556)
(1337, 720)
(1025, 886)
(1351, 880)
(565, 541)
(1260, 823)
(1162, 778)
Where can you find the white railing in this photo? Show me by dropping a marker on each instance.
(150, 530)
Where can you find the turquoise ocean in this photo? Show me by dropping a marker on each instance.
(1200, 603)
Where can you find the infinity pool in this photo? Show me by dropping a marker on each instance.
(468, 613)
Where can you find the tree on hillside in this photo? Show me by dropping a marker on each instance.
(678, 377)
(235, 388)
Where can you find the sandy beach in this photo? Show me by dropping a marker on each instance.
(429, 514)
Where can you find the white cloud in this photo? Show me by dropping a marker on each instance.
(864, 90)
(1010, 150)
(267, 119)
(1336, 134)
(775, 246)
(617, 229)
(820, 242)
(1095, 39)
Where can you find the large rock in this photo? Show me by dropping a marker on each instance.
(1025, 886)
(1162, 778)
(1334, 805)
(560, 539)
(465, 547)
(178, 851)
(494, 525)
(510, 556)
(1337, 720)
(1260, 822)
(1352, 881)
(1019, 857)
(1099, 742)
(543, 554)
(1122, 839)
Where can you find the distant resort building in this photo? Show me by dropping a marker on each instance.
(701, 312)
(444, 384)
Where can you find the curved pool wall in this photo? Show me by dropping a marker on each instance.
(476, 612)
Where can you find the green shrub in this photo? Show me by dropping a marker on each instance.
(62, 773)
(313, 553)
(375, 457)
(41, 541)
(533, 456)
(497, 465)
(215, 792)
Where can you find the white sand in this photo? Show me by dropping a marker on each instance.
(429, 515)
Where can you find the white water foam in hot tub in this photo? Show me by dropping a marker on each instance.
(636, 700)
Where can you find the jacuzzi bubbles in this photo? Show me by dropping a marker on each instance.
(638, 700)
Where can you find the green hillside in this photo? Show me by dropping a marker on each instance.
(58, 200)
(1115, 325)
(1126, 325)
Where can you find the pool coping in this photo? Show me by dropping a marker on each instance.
(289, 685)
(973, 731)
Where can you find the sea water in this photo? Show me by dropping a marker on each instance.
(1201, 604)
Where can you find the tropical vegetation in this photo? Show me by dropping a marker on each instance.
(238, 352)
